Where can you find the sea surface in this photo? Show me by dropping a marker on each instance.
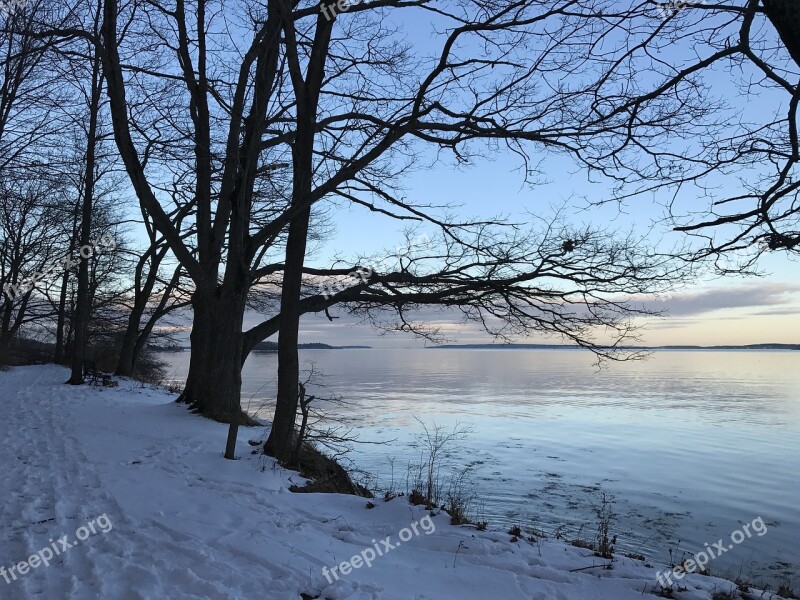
(687, 446)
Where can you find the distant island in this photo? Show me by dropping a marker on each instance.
(273, 347)
(266, 347)
(166, 348)
(576, 347)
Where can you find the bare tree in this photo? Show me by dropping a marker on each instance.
(719, 134)
(28, 223)
(484, 88)
(764, 214)
(28, 91)
(321, 110)
(93, 103)
(31, 246)
(554, 280)
(153, 297)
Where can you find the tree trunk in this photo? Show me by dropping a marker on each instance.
(279, 443)
(127, 352)
(61, 323)
(785, 17)
(224, 387)
(214, 384)
(5, 342)
(84, 297)
(200, 347)
(82, 309)
(62, 319)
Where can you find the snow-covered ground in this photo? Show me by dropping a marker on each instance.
(164, 516)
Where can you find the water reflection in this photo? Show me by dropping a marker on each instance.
(691, 444)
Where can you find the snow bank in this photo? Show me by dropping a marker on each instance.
(187, 524)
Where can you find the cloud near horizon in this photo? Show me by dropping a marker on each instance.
(782, 299)
(692, 317)
(701, 316)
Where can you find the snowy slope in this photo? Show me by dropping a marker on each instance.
(187, 524)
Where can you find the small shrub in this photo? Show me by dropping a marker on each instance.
(457, 509)
(460, 497)
(605, 546)
(417, 498)
(425, 477)
(326, 475)
(636, 556)
(580, 543)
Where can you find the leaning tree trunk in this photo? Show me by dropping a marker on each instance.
(127, 353)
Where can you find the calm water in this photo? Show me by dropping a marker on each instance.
(690, 445)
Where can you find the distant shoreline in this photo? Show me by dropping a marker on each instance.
(269, 347)
(576, 347)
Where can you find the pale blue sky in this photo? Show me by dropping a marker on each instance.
(717, 311)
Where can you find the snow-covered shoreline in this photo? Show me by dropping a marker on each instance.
(188, 524)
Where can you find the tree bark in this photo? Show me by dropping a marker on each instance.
(279, 443)
(224, 380)
(214, 383)
(125, 363)
(200, 348)
(61, 320)
(307, 92)
(82, 310)
(785, 17)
